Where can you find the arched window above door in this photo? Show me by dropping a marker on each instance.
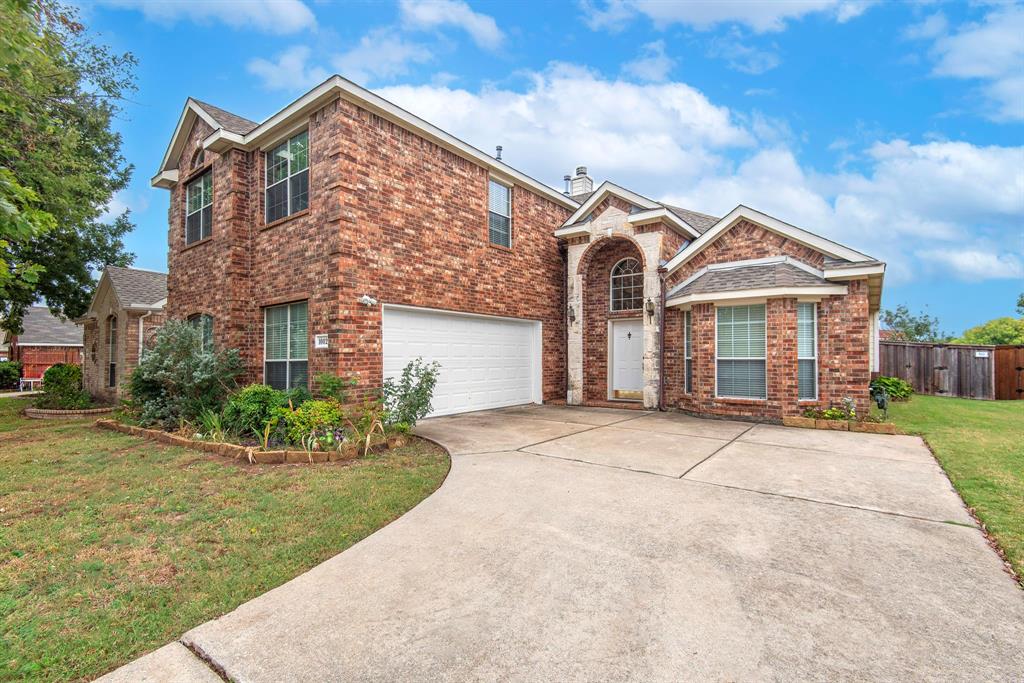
(627, 285)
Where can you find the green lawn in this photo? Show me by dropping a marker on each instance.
(112, 546)
(980, 444)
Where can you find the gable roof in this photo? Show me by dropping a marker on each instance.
(651, 211)
(227, 120)
(741, 276)
(42, 328)
(295, 113)
(137, 288)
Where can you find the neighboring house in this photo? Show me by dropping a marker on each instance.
(127, 307)
(346, 235)
(45, 340)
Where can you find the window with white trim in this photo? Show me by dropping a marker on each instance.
(740, 352)
(807, 350)
(627, 285)
(688, 352)
(199, 208)
(287, 177)
(499, 214)
(285, 346)
(203, 323)
(112, 351)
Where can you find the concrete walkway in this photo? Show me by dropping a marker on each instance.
(591, 544)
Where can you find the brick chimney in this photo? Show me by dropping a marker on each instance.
(581, 183)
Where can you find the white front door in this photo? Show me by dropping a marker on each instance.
(627, 359)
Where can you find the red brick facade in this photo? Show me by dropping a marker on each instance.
(391, 215)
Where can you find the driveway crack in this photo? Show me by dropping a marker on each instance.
(718, 450)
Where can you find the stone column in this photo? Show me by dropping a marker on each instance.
(574, 353)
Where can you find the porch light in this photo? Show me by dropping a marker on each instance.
(649, 307)
(572, 314)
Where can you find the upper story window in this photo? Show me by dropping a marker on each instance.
(198, 159)
(199, 208)
(627, 285)
(203, 323)
(287, 180)
(499, 220)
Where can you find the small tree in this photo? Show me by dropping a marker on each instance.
(407, 399)
(177, 380)
(912, 328)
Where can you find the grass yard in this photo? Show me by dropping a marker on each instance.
(980, 444)
(113, 546)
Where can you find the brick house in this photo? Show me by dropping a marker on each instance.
(126, 309)
(346, 235)
(45, 340)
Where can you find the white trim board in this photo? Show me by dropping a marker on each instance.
(603, 190)
(767, 222)
(663, 215)
(757, 295)
(334, 87)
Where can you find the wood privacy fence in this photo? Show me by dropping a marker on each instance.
(983, 372)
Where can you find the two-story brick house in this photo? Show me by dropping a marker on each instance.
(346, 235)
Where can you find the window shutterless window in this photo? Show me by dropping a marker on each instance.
(499, 216)
(112, 351)
(287, 177)
(740, 352)
(627, 285)
(199, 208)
(807, 351)
(285, 346)
(204, 323)
(688, 352)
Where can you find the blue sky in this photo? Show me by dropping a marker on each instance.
(895, 128)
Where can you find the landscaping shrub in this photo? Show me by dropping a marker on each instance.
(177, 380)
(407, 399)
(10, 373)
(897, 389)
(248, 411)
(333, 386)
(313, 420)
(62, 388)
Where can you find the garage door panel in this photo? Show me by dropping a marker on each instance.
(485, 362)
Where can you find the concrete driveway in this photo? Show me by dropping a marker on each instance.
(589, 544)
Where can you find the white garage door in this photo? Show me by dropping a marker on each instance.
(486, 362)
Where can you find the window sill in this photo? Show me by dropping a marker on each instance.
(281, 221)
(736, 400)
(195, 244)
(500, 247)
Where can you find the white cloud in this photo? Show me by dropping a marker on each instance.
(271, 16)
(991, 51)
(931, 26)
(760, 92)
(380, 54)
(652, 64)
(432, 14)
(759, 15)
(974, 264)
(740, 55)
(289, 72)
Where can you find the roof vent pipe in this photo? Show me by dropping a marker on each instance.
(568, 184)
(498, 150)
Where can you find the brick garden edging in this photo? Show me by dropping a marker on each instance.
(841, 425)
(249, 453)
(47, 414)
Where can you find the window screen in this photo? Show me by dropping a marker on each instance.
(807, 350)
(285, 346)
(287, 177)
(499, 214)
(740, 351)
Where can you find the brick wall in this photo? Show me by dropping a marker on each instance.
(390, 215)
(96, 356)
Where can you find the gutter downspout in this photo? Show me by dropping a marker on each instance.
(144, 315)
(662, 274)
(563, 251)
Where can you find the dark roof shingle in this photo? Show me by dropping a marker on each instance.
(42, 327)
(701, 222)
(232, 123)
(135, 287)
(749, 277)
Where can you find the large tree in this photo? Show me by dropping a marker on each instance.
(908, 327)
(1020, 304)
(998, 331)
(60, 160)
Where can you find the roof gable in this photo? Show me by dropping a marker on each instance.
(135, 288)
(42, 328)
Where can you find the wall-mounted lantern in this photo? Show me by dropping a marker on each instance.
(572, 314)
(649, 307)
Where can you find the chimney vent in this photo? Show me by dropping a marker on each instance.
(568, 184)
(498, 150)
(581, 183)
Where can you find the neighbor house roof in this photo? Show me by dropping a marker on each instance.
(134, 287)
(42, 328)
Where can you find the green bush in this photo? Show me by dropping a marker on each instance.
(314, 419)
(897, 389)
(407, 399)
(177, 380)
(332, 386)
(248, 411)
(62, 388)
(10, 373)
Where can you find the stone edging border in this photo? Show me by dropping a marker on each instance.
(230, 450)
(841, 425)
(48, 414)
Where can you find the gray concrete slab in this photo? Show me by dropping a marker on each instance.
(493, 431)
(533, 568)
(588, 416)
(173, 663)
(644, 451)
(680, 423)
(909, 488)
(853, 444)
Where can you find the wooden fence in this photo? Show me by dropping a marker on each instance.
(942, 369)
(1010, 372)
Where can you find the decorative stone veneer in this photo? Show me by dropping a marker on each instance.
(391, 215)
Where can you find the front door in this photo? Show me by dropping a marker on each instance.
(627, 360)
